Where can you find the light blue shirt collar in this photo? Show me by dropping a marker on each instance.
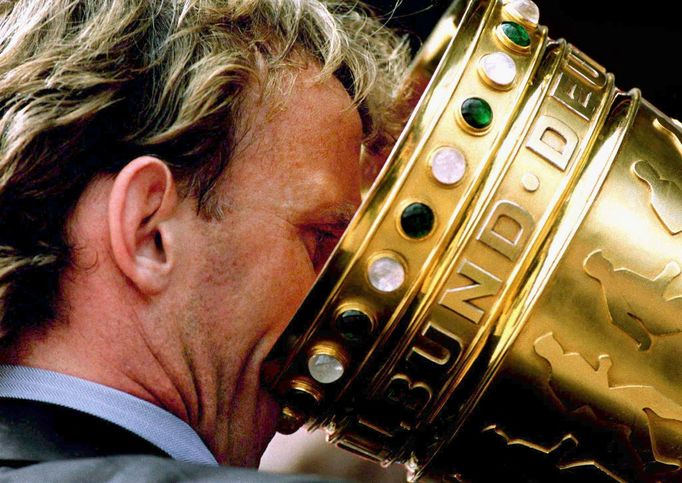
(149, 422)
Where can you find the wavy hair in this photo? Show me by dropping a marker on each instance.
(87, 85)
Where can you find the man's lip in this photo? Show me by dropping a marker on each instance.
(273, 406)
(272, 411)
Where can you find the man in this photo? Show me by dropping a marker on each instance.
(173, 173)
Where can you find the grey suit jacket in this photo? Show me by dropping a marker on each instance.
(42, 442)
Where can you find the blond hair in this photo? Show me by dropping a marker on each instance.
(87, 85)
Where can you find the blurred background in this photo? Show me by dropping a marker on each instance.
(639, 43)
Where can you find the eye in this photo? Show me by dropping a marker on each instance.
(326, 242)
(320, 240)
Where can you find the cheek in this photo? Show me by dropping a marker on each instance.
(261, 272)
(280, 277)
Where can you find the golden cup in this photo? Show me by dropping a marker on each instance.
(507, 303)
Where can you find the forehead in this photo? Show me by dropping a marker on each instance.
(302, 138)
(300, 116)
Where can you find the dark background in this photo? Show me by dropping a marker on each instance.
(640, 42)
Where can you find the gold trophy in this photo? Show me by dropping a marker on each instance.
(507, 303)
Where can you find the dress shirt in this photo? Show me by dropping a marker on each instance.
(149, 422)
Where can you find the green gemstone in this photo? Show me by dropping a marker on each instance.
(477, 113)
(417, 220)
(300, 400)
(516, 33)
(354, 325)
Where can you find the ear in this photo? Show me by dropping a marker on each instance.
(142, 201)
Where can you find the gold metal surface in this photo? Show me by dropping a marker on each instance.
(538, 331)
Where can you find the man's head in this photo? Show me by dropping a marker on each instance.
(172, 175)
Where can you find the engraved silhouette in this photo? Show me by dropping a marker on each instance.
(567, 443)
(666, 196)
(628, 297)
(667, 449)
(633, 405)
(593, 465)
(674, 136)
(559, 454)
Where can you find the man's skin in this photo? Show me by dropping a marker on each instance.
(180, 310)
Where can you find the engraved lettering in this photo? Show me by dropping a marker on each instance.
(360, 448)
(364, 437)
(509, 244)
(408, 394)
(376, 428)
(436, 345)
(576, 96)
(584, 67)
(459, 299)
(555, 141)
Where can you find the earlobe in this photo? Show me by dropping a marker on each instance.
(142, 203)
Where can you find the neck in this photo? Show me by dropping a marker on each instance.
(68, 348)
(142, 363)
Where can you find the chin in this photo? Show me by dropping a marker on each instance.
(248, 438)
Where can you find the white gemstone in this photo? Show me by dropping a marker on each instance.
(386, 274)
(325, 368)
(526, 10)
(499, 68)
(448, 165)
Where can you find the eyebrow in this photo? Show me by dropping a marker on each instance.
(339, 215)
